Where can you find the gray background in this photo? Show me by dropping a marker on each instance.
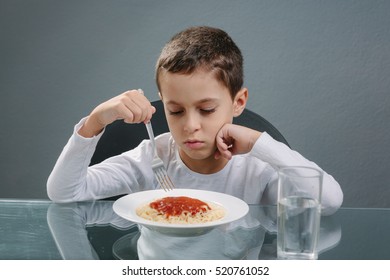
(318, 70)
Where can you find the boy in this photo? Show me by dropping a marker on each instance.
(199, 75)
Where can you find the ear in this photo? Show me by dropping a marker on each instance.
(239, 102)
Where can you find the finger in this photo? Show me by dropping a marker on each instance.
(223, 143)
(138, 105)
(132, 112)
(222, 151)
(150, 109)
(225, 154)
(125, 114)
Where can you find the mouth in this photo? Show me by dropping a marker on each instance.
(194, 144)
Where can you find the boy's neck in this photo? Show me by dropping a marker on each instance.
(205, 166)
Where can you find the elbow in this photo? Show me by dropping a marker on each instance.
(57, 198)
(54, 192)
(333, 204)
(332, 196)
(52, 196)
(50, 187)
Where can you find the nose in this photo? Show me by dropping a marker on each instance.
(191, 123)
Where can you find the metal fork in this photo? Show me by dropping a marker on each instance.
(157, 165)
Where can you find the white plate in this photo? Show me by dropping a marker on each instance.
(234, 207)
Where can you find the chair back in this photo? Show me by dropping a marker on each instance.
(252, 120)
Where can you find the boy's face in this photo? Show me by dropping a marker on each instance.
(196, 107)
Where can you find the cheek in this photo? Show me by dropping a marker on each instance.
(174, 126)
(225, 117)
(212, 126)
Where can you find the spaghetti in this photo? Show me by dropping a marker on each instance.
(180, 210)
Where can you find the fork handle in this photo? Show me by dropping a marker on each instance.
(151, 135)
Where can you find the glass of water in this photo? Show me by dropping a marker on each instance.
(299, 212)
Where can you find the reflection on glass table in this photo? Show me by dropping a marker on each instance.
(91, 230)
(252, 237)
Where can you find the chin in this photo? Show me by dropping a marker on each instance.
(199, 155)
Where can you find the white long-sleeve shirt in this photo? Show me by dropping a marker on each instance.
(252, 177)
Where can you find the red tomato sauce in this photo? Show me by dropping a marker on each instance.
(176, 205)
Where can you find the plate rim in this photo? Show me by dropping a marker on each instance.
(176, 192)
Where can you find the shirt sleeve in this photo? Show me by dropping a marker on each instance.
(72, 179)
(279, 155)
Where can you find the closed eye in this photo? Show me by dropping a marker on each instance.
(208, 110)
(175, 113)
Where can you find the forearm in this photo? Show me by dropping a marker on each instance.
(278, 155)
(69, 174)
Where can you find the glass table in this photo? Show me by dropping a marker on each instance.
(43, 230)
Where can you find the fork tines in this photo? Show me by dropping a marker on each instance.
(163, 179)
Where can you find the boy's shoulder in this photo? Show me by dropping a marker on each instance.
(166, 146)
(165, 141)
(164, 137)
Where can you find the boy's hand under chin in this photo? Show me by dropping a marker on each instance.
(235, 139)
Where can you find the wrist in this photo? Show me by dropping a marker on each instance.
(254, 137)
(90, 128)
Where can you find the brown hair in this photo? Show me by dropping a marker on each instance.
(207, 48)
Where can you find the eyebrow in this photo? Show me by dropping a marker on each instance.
(205, 100)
